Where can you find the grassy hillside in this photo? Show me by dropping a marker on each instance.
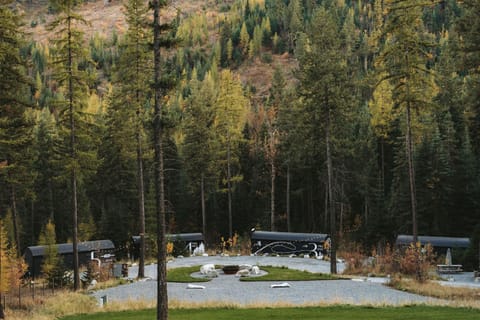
(107, 17)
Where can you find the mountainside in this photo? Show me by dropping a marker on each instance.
(108, 17)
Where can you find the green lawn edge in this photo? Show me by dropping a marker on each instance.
(338, 312)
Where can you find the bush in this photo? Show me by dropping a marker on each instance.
(417, 261)
(267, 58)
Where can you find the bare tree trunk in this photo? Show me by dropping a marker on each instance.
(229, 187)
(141, 205)
(366, 210)
(73, 178)
(325, 221)
(333, 229)
(16, 232)
(202, 195)
(382, 146)
(272, 195)
(2, 314)
(288, 199)
(411, 174)
(50, 196)
(32, 217)
(162, 297)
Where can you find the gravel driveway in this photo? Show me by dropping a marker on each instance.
(228, 289)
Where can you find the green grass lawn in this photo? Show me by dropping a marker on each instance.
(332, 312)
(285, 274)
(274, 274)
(183, 275)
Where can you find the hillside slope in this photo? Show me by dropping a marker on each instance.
(105, 17)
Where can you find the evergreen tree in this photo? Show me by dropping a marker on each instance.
(132, 94)
(244, 39)
(51, 265)
(15, 126)
(4, 267)
(231, 109)
(163, 37)
(69, 54)
(45, 166)
(199, 146)
(405, 57)
(326, 88)
(469, 48)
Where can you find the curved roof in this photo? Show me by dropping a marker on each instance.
(194, 236)
(67, 248)
(186, 236)
(444, 242)
(288, 236)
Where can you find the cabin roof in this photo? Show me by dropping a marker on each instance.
(288, 236)
(436, 241)
(194, 236)
(67, 248)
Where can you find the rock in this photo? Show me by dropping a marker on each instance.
(242, 273)
(200, 250)
(212, 273)
(92, 285)
(245, 266)
(255, 270)
(207, 268)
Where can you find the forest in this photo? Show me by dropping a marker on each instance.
(357, 118)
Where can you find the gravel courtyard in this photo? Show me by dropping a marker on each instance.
(228, 289)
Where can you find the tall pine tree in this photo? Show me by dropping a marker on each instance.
(69, 53)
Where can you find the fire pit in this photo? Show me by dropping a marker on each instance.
(231, 269)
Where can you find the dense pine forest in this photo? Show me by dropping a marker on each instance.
(356, 118)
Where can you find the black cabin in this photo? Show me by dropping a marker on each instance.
(188, 241)
(86, 251)
(440, 244)
(285, 243)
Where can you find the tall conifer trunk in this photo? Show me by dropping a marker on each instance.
(331, 206)
(288, 199)
(229, 187)
(162, 298)
(73, 177)
(15, 219)
(202, 195)
(272, 194)
(411, 174)
(141, 205)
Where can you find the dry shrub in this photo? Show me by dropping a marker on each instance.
(355, 259)
(417, 261)
(384, 263)
(436, 290)
(61, 304)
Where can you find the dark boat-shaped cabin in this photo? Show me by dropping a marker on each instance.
(287, 243)
(191, 241)
(440, 244)
(87, 250)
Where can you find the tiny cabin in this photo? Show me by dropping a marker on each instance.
(287, 243)
(87, 250)
(188, 242)
(453, 248)
(440, 244)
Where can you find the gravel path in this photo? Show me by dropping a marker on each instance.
(228, 289)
